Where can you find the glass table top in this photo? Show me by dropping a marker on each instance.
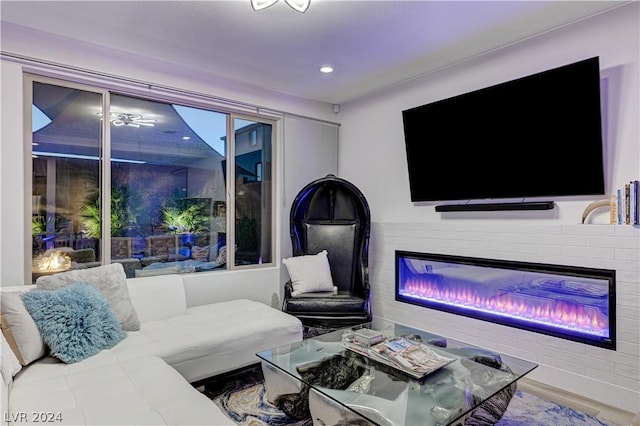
(387, 396)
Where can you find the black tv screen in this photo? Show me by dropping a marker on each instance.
(536, 136)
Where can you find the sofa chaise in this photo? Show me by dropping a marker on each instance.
(147, 378)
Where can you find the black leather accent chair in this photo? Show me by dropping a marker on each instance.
(332, 214)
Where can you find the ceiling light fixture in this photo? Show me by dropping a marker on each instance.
(119, 119)
(299, 5)
(326, 69)
(133, 120)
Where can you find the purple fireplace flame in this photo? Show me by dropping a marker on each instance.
(568, 302)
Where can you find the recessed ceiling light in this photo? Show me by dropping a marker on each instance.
(326, 69)
(186, 138)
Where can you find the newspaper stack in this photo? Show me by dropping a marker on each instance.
(413, 358)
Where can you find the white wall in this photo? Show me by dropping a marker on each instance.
(12, 199)
(372, 156)
(310, 152)
(372, 150)
(74, 54)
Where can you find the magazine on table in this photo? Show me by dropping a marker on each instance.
(413, 358)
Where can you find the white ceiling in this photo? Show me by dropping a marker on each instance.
(371, 44)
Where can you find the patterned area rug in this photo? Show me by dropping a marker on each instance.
(242, 398)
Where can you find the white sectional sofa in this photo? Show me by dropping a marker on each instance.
(146, 378)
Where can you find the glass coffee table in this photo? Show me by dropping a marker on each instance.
(321, 378)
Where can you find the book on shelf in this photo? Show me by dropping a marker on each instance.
(634, 205)
(620, 206)
(627, 204)
(414, 358)
(613, 210)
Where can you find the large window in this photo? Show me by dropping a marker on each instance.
(156, 186)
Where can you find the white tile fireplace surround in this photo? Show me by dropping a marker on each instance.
(609, 376)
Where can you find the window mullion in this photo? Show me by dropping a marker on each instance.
(105, 180)
(231, 190)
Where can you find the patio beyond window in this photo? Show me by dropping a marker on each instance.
(182, 184)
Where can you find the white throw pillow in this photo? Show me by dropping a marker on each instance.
(9, 364)
(309, 273)
(19, 329)
(111, 280)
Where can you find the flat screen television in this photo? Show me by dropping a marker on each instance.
(535, 136)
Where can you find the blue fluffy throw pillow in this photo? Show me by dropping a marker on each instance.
(76, 321)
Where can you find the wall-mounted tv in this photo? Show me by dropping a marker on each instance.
(536, 136)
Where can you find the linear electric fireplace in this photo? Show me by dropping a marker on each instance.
(569, 302)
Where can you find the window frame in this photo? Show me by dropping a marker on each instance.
(231, 153)
(186, 99)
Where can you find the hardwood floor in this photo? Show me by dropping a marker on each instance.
(607, 413)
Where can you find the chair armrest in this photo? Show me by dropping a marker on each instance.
(365, 277)
(288, 289)
(367, 292)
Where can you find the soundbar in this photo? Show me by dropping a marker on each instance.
(486, 207)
